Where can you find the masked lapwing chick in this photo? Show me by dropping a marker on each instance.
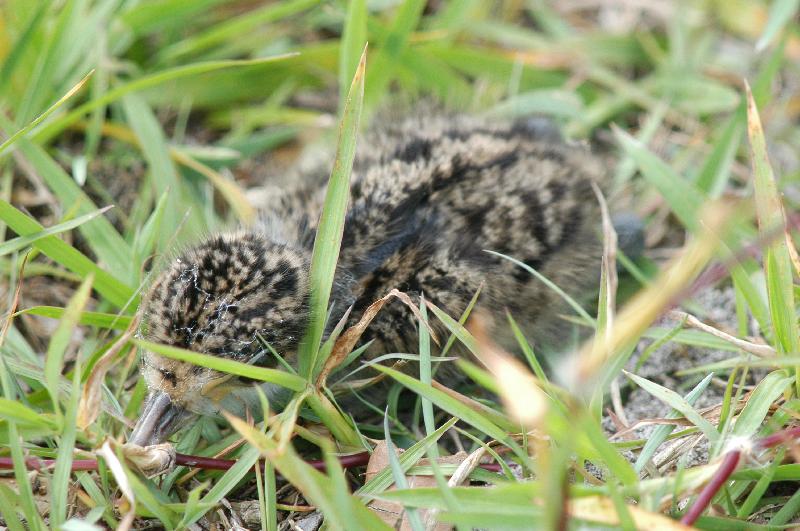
(429, 196)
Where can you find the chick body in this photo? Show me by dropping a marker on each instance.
(428, 197)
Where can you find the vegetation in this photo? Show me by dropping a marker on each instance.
(198, 89)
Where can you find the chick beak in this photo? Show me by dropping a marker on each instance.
(161, 418)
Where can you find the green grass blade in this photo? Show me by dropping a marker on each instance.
(51, 50)
(777, 264)
(449, 404)
(758, 405)
(146, 494)
(425, 373)
(455, 328)
(660, 433)
(328, 492)
(338, 488)
(100, 234)
(21, 242)
(683, 197)
(315, 486)
(550, 102)
(112, 289)
(761, 486)
(146, 17)
(713, 176)
(13, 138)
(677, 403)
(398, 474)
(787, 512)
(263, 374)
(527, 351)
(32, 517)
(61, 338)
(66, 447)
(9, 499)
(506, 499)
(20, 47)
(21, 414)
(48, 130)
(383, 479)
(270, 522)
(222, 487)
(108, 321)
(592, 436)
(234, 27)
(341, 427)
(145, 241)
(354, 38)
(781, 13)
(331, 224)
(162, 170)
(583, 314)
(393, 44)
(462, 319)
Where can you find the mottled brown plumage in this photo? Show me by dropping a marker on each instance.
(429, 196)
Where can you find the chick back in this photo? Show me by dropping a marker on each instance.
(430, 196)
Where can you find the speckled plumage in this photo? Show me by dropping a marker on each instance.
(428, 196)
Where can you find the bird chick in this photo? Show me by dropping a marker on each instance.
(429, 195)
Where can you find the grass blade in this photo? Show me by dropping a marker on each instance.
(100, 234)
(677, 403)
(48, 130)
(713, 176)
(394, 43)
(222, 487)
(758, 405)
(354, 38)
(153, 145)
(240, 25)
(383, 479)
(455, 328)
(425, 373)
(54, 361)
(21, 414)
(530, 355)
(100, 320)
(398, 474)
(74, 90)
(8, 499)
(781, 12)
(449, 404)
(777, 263)
(112, 289)
(583, 314)
(66, 446)
(660, 433)
(263, 374)
(331, 224)
(20, 242)
(26, 39)
(341, 512)
(683, 197)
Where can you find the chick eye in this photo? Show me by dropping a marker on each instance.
(169, 376)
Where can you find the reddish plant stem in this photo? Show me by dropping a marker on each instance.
(780, 437)
(206, 463)
(210, 463)
(35, 463)
(729, 464)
